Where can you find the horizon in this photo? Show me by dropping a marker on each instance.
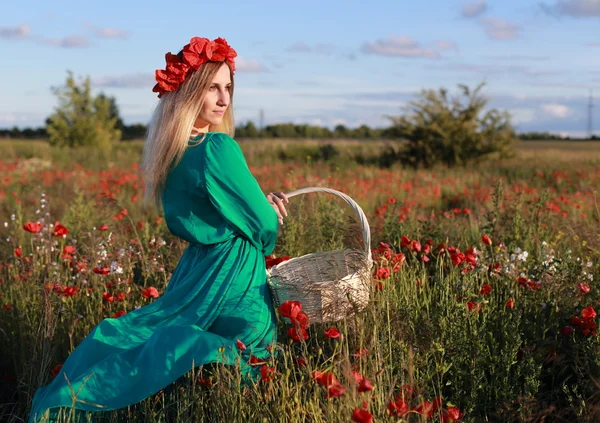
(319, 64)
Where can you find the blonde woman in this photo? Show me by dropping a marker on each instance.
(216, 307)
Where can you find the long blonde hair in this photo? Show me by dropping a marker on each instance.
(171, 125)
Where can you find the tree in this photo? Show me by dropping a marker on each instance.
(251, 131)
(340, 131)
(443, 130)
(82, 119)
(114, 111)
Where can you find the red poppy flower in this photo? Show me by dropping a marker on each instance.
(69, 249)
(583, 288)
(361, 415)
(300, 361)
(69, 291)
(150, 292)
(486, 240)
(102, 270)
(510, 303)
(383, 273)
(32, 227)
(59, 230)
(267, 373)
(405, 241)
(271, 261)
(567, 331)
(56, 370)
(324, 378)
(18, 252)
(119, 313)
(335, 390)
(290, 309)
(588, 313)
(298, 334)
(241, 346)
(451, 415)
(485, 289)
(364, 384)
(398, 408)
(332, 333)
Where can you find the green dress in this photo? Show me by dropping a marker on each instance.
(217, 294)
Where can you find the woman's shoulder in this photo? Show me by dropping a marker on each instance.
(218, 141)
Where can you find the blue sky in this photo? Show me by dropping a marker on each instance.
(318, 62)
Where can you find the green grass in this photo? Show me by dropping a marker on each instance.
(431, 323)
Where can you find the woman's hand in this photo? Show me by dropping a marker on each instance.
(277, 200)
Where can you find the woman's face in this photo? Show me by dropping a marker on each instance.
(216, 100)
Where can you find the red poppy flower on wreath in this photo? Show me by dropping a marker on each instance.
(196, 53)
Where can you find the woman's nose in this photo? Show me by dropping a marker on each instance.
(223, 98)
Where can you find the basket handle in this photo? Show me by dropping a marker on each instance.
(361, 215)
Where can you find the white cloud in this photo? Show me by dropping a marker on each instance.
(72, 41)
(107, 32)
(140, 80)
(474, 9)
(8, 118)
(446, 45)
(305, 48)
(593, 44)
(522, 115)
(574, 8)
(19, 31)
(500, 29)
(249, 65)
(400, 46)
(111, 33)
(556, 110)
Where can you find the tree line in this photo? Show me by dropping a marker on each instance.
(437, 128)
(249, 129)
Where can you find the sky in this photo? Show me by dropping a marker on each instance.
(325, 63)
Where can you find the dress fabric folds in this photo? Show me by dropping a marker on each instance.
(217, 294)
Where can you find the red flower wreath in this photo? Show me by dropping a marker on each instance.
(196, 53)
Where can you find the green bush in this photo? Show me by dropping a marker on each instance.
(440, 130)
(81, 119)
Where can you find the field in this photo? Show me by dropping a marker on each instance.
(483, 302)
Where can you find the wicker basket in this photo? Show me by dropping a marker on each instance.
(331, 285)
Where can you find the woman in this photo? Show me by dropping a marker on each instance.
(216, 307)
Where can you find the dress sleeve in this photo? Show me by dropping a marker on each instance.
(236, 195)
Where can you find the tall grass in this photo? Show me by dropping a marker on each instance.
(496, 328)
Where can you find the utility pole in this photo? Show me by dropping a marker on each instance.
(591, 115)
(261, 122)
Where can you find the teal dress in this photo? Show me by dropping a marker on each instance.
(216, 296)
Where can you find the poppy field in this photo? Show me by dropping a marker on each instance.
(483, 304)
